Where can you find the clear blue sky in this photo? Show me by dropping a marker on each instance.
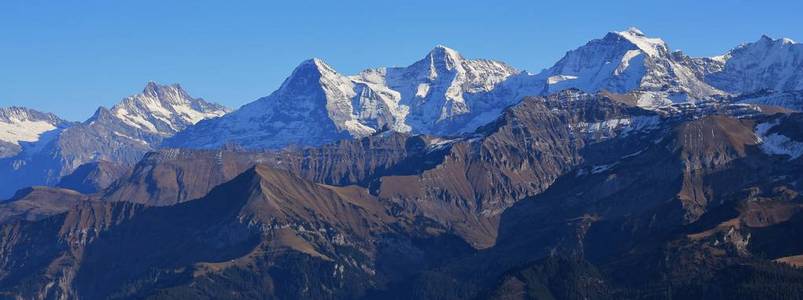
(71, 56)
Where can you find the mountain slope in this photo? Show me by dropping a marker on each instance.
(263, 216)
(93, 177)
(674, 219)
(675, 204)
(38, 203)
(171, 176)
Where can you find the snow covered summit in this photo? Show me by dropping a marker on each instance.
(445, 93)
(316, 104)
(120, 135)
(628, 61)
(164, 109)
(767, 64)
(19, 124)
(23, 125)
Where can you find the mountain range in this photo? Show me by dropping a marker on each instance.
(446, 94)
(624, 171)
(45, 148)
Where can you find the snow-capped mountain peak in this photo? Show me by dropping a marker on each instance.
(164, 109)
(443, 58)
(316, 104)
(440, 86)
(312, 73)
(768, 63)
(447, 93)
(650, 46)
(315, 87)
(630, 61)
(313, 65)
(441, 49)
(767, 40)
(19, 124)
(166, 93)
(122, 134)
(634, 30)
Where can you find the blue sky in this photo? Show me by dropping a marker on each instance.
(69, 56)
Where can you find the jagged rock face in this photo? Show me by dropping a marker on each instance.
(766, 64)
(317, 105)
(120, 135)
(21, 126)
(102, 137)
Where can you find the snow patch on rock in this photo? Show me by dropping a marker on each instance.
(616, 126)
(23, 130)
(777, 144)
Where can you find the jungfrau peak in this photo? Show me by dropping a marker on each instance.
(651, 46)
(629, 61)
